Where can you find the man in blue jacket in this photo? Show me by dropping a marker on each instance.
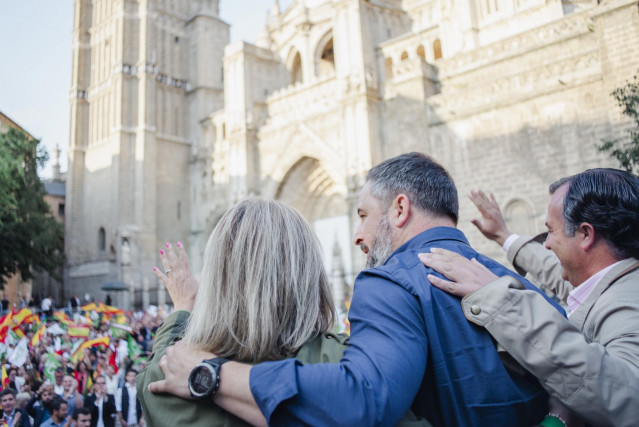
(410, 346)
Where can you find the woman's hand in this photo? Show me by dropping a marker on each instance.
(178, 278)
(466, 276)
(177, 364)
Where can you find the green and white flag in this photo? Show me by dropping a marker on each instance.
(12, 338)
(134, 348)
(50, 366)
(20, 353)
(120, 331)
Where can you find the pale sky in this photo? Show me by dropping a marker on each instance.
(35, 61)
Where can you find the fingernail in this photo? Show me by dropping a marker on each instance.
(161, 252)
(167, 245)
(179, 244)
(434, 249)
(155, 269)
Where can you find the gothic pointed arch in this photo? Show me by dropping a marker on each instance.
(519, 215)
(309, 188)
(294, 66)
(325, 56)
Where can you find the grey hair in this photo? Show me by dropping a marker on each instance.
(263, 290)
(426, 183)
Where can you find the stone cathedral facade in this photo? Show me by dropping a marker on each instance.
(171, 124)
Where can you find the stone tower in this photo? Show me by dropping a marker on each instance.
(145, 73)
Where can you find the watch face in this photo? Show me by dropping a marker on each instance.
(202, 380)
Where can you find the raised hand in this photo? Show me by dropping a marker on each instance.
(177, 278)
(492, 223)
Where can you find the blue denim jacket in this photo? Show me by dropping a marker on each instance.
(410, 346)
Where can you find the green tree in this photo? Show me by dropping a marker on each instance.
(626, 149)
(30, 237)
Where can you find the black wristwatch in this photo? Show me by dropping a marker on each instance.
(204, 379)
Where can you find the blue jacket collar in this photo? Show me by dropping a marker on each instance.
(432, 235)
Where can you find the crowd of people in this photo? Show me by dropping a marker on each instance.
(74, 366)
(253, 340)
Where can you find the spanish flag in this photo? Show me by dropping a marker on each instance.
(89, 307)
(5, 378)
(33, 318)
(62, 317)
(22, 316)
(107, 309)
(35, 340)
(96, 342)
(5, 322)
(77, 331)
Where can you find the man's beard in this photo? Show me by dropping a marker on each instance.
(382, 247)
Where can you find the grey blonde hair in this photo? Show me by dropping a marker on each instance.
(263, 289)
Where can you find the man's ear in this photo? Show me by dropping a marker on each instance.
(588, 235)
(400, 210)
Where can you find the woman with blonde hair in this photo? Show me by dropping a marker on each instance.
(263, 295)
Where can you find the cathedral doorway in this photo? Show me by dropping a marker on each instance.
(312, 191)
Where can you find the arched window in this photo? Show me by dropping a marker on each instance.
(519, 217)
(327, 60)
(421, 53)
(437, 49)
(102, 239)
(296, 69)
(389, 68)
(404, 56)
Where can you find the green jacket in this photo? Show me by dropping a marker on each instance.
(169, 410)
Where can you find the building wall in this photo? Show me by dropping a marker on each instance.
(513, 116)
(508, 99)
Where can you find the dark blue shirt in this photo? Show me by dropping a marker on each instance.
(410, 344)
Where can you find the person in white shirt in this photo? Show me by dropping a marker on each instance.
(101, 404)
(58, 386)
(112, 380)
(127, 403)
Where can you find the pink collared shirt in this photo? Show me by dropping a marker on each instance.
(580, 294)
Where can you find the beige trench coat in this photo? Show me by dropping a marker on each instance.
(590, 362)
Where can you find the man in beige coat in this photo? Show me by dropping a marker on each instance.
(589, 362)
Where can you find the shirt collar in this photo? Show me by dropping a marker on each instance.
(580, 294)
